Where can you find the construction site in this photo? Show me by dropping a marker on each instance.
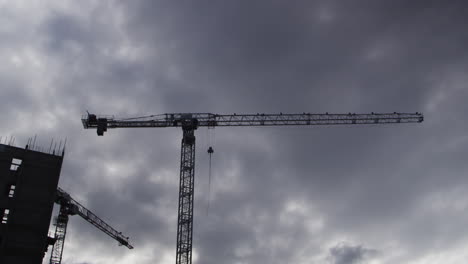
(233, 132)
(30, 176)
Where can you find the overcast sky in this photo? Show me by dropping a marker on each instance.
(379, 194)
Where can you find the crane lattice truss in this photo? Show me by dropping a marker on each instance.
(68, 206)
(191, 121)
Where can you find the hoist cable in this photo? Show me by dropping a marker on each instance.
(210, 152)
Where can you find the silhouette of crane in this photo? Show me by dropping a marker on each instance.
(189, 122)
(68, 206)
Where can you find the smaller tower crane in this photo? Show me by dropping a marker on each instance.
(68, 206)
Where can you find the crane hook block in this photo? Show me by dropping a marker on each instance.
(210, 150)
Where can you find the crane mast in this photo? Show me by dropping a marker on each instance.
(68, 206)
(189, 122)
(66, 209)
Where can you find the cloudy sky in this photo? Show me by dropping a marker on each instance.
(378, 194)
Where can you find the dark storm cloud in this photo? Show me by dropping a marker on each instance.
(345, 254)
(367, 57)
(278, 195)
(258, 55)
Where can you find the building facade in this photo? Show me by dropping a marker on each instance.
(28, 185)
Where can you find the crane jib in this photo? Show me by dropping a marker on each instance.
(195, 120)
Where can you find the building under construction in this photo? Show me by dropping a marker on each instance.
(28, 191)
(28, 184)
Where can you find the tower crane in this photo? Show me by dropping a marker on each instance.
(189, 122)
(68, 206)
